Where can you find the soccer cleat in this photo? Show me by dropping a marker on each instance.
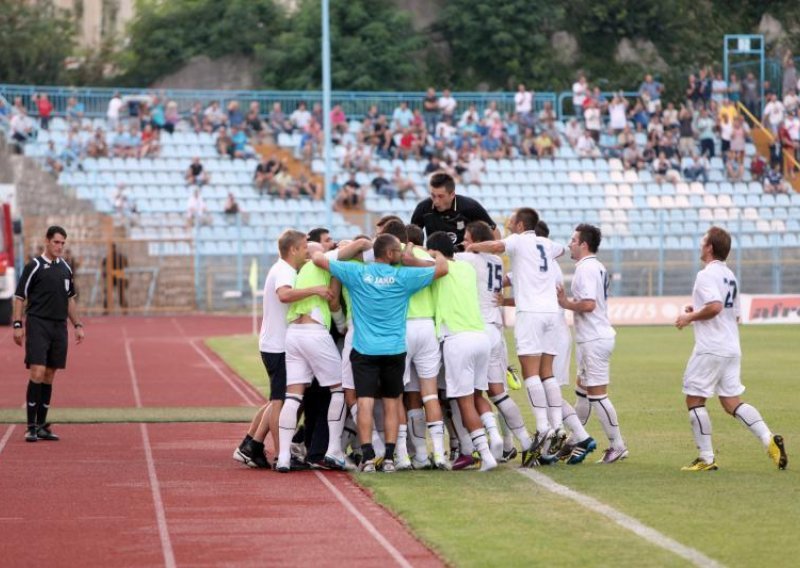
(43, 433)
(462, 462)
(530, 457)
(420, 464)
(367, 466)
(454, 453)
(440, 463)
(30, 435)
(334, 463)
(508, 455)
(355, 457)
(388, 466)
(612, 455)
(777, 452)
(403, 464)
(565, 451)
(581, 450)
(298, 465)
(298, 450)
(700, 465)
(512, 378)
(489, 463)
(556, 441)
(253, 454)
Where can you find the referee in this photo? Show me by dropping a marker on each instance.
(46, 293)
(447, 212)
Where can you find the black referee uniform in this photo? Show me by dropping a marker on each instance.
(454, 221)
(46, 285)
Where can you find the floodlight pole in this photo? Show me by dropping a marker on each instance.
(326, 111)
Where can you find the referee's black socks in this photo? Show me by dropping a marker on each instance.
(44, 403)
(33, 397)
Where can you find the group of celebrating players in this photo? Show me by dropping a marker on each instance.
(423, 348)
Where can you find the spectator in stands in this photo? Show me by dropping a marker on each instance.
(434, 165)
(196, 173)
(403, 184)
(547, 114)
(523, 102)
(231, 206)
(311, 140)
(609, 144)
(669, 117)
(774, 113)
(409, 145)
(75, 110)
(758, 167)
(719, 88)
(447, 105)
(773, 181)
(696, 168)
(686, 144)
(235, 116)
(704, 125)
(401, 117)
(196, 210)
(278, 121)
(351, 195)
(790, 100)
(52, 160)
(241, 147)
(430, 109)
(213, 117)
(573, 132)
(22, 129)
(664, 170)
(631, 158)
(339, 125)
(265, 172)
(382, 185)
(45, 108)
(112, 112)
(97, 146)
(734, 170)
(171, 116)
(593, 119)
(224, 143)
(734, 88)
(586, 146)
(150, 145)
(544, 146)
(527, 145)
(580, 90)
(639, 115)
(158, 117)
(617, 111)
(254, 125)
(750, 94)
(357, 157)
(197, 118)
(316, 112)
(789, 72)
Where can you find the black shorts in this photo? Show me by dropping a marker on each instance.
(275, 363)
(378, 376)
(46, 342)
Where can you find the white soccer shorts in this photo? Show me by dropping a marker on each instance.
(498, 355)
(707, 375)
(466, 363)
(311, 352)
(423, 355)
(347, 366)
(563, 340)
(594, 361)
(533, 332)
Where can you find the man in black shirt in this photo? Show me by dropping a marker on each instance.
(447, 212)
(46, 293)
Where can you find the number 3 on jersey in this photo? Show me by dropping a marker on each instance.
(495, 272)
(731, 297)
(543, 266)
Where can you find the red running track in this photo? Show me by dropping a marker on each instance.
(170, 495)
(170, 365)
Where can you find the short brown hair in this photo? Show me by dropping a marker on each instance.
(415, 235)
(442, 179)
(396, 228)
(720, 241)
(590, 235)
(382, 245)
(527, 216)
(288, 239)
(385, 219)
(479, 231)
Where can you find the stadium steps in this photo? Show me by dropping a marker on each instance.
(296, 167)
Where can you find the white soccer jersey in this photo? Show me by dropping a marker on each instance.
(590, 282)
(489, 271)
(272, 338)
(719, 335)
(532, 260)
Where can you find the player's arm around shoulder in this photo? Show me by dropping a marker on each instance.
(493, 247)
(442, 267)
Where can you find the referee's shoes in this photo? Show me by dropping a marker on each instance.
(36, 433)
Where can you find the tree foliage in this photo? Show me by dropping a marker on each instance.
(35, 39)
(373, 47)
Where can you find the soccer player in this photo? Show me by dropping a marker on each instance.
(379, 342)
(489, 272)
(311, 353)
(465, 348)
(594, 338)
(715, 364)
(532, 260)
(279, 292)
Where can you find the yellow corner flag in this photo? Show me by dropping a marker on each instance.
(253, 276)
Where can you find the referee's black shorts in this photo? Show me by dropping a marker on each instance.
(275, 363)
(46, 342)
(378, 376)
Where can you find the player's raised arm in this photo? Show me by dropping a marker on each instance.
(441, 267)
(494, 247)
(351, 250)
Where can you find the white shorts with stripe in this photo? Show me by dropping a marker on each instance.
(466, 363)
(708, 375)
(534, 333)
(423, 354)
(594, 362)
(311, 352)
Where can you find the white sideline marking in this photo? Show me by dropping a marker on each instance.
(625, 521)
(245, 395)
(155, 488)
(393, 552)
(161, 516)
(6, 437)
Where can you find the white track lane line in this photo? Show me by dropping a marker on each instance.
(6, 437)
(155, 487)
(246, 396)
(393, 552)
(625, 521)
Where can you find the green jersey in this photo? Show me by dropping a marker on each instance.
(309, 277)
(421, 304)
(456, 299)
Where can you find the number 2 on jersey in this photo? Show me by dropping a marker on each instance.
(731, 297)
(495, 272)
(543, 266)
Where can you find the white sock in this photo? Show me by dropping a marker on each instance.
(582, 407)
(336, 415)
(553, 392)
(750, 417)
(538, 401)
(577, 433)
(401, 449)
(508, 435)
(495, 439)
(287, 424)
(701, 428)
(416, 431)
(513, 418)
(480, 442)
(465, 444)
(436, 429)
(607, 415)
